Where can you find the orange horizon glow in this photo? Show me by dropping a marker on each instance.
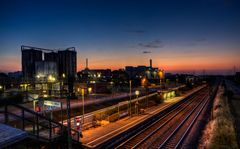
(172, 68)
(166, 61)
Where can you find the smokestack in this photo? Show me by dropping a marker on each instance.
(86, 63)
(150, 63)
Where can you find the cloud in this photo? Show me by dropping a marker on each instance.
(152, 44)
(146, 52)
(136, 31)
(196, 42)
(201, 39)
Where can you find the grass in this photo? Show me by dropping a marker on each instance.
(220, 132)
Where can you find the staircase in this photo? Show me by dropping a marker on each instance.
(36, 125)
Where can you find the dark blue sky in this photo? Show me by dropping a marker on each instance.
(178, 35)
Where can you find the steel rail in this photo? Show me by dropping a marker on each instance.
(203, 103)
(159, 120)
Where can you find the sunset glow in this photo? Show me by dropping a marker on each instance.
(188, 37)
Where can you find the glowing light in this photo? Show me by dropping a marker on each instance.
(51, 78)
(137, 92)
(24, 86)
(82, 91)
(169, 95)
(165, 96)
(143, 81)
(173, 94)
(89, 90)
(161, 74)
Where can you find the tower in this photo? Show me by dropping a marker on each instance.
(150, 63)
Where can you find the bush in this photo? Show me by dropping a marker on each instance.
(224, 135)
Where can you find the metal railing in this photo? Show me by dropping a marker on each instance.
(35, 124)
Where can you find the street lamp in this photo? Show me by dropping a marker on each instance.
(137, 92)
(161, 77)
(89, 90)
(143, 81)
(62, 84)
(112, 87)
(51, 79)
(1, 88)
(40, 82)
(83, 106)
(130, 94)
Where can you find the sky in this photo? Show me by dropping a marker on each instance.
(178, 35)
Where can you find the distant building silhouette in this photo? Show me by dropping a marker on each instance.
(142, 71)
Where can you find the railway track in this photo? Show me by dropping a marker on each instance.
(169, 130)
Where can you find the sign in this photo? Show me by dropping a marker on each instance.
(52, 103)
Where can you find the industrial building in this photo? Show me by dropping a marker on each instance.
(49, 70)
(140, 72)
(67, 61)
(29, 57)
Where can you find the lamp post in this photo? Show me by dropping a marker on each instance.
(112, 86)
(144, 83)
(89, 90)
(62, 84)
(70, 94)
(51, 80)
(1, 89)
(95, 89)
(82, 106)
(130, 94)
(69, 123)
(136, 104)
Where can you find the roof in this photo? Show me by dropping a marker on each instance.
(10, 135)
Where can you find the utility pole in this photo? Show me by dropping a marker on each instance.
(130, 94)
(70, 94)
(69, 124)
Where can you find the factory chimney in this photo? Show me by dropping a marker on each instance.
(86, 63)
(150, 63)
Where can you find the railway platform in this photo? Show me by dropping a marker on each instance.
(94, 137)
